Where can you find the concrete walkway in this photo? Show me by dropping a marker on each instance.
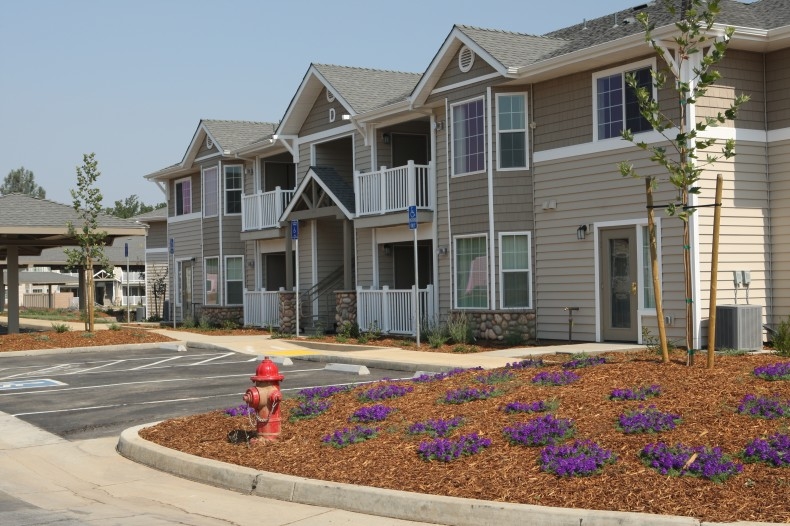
(86, 482)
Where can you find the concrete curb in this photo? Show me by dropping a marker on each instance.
(347, 368)
(451, 511)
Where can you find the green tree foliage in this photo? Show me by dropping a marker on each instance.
(22, 181)
(129, 207)
(690, 56)
(91, 241)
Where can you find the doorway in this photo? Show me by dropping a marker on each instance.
(403, 264)
(186, 286)
(619, 284)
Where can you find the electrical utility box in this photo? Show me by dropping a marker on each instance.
(739, 327)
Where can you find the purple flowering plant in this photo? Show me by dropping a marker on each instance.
(384, 392)
(372, 413)
(525, 364)
(325, 391)
(445, 450)
(436, 427)
(555, 378)
(441, 376)
(764, 406)
(545, 430)
(538, 406)
(240, 410)
(469, 394)
(582, 458)
(680, 460)
(639, 393)
(495, 377)
(649, 420)
(308, 409)
(774, 371)
(581, 361)
(345, 437)
(774, 450)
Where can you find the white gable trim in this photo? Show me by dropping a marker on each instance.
(467, 82)
(311, 175)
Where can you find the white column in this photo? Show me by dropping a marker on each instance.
(12, 258)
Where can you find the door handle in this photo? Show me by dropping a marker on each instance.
(633, 288)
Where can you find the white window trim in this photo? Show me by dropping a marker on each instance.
(225, 187)
(452, 138)
(650, 62)
(203, 192)
(528, 270)
(225, 281)
(205, 278)
(455, 271)
(175, 196)
(641, 309)
(499, 133)
(177, 288)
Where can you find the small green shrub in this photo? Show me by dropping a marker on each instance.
(229, 325)
(781, 340)
(61, 327)
(203, 324)
(374, 331)
(363, 337)
(348, 330)
(459, 329)
(114, 327)
(434, 333)
(514, 339)
(317, 332)
(188, 323)
(88, 335)
(462, 348)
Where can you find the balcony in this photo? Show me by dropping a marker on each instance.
(263, 210)
(395, 189)
(392, 311)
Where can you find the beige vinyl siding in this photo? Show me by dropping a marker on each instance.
(251, 254)
(364, 247)
(231, 230)
(188, 244)
(318, 118)
(741, 73)
(157, 235)
(590, 190)
(211, 236)
(778, 89)
(386, 268)
(362, 155)
(330, 246)
(454, 75)
(305, 255)
(339, 154)
(469, 203)
(248, 180)
(779, 156)
(305, 162)
(203, 151)
(444, 267)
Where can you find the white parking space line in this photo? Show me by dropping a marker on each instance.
(80, 371)
(113, 406)
(154, 363)
(39, 372)
(212, 359)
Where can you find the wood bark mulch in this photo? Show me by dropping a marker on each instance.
(36, 340)
(706, 400)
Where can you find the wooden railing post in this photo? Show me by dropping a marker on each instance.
(411, 184)
(383, 188)
(386, 326)
(357, 196)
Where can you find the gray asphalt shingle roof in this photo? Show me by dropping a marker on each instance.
(157, 214)
(342, 191)
(367, 89)
(20, 211)
(231, 135)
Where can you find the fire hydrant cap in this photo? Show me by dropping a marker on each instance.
(267, 372)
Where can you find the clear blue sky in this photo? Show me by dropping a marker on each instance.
(130, 80)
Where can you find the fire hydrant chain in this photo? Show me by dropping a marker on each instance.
(255, 418)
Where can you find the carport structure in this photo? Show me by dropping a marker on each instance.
(28, 225)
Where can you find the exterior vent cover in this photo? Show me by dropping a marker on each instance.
(466, 57)
(739, 327)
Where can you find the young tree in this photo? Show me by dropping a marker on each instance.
(87, 203)
(22, 181)
(159, 290)
(690, 56)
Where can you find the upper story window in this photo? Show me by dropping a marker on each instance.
(469, 154)
(511, 131)
(233, 189)
(616, 107)
(183, 196)
(210, 192)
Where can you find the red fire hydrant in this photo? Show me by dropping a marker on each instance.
(265, 398)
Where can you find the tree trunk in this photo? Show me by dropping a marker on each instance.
(688, 286)
(651, 232)
(714, 273)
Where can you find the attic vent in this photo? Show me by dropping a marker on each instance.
(466, 57)
(209, 142)
(330, 97)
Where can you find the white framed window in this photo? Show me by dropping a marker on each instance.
(210, 191)
(648, 292)
(471, 271)
(211, 274)
(615, 105)
(515, 270)
(234, 280)
(233, 185)
(183, 196)
(511, 122)
(468, 122)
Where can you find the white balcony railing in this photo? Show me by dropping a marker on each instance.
(263, 210)
(395, 189)
(132, 300)
(393, 310)
(261, 308)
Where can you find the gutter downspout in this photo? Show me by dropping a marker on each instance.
(769, 296)
(490, 170)
(447, 172)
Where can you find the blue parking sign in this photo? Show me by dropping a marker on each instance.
(413, 217)
(295, 229)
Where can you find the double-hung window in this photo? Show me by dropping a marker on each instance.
(233, 189)
(511, 131)
(210, 191)
(616, 106)
(515, 270)
(234, 280)
(212, 275)
(183, 191)
(471, 272)
(469, 154)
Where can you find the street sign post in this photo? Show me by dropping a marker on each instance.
(295, 238)
(416, 288)
(172, 250)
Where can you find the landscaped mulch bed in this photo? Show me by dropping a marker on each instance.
(59, 340)
(705, 399)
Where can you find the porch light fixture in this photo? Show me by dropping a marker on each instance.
(439, 125)
(387, 250)
(346, 117)
(386, 138)
(442, 251)
(581, 232)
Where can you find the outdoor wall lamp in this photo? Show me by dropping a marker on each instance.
(581, 232)
(387, 250)
(442, 251)
(386, 138)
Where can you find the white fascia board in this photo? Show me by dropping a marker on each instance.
(383, 113)
(166, 174)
